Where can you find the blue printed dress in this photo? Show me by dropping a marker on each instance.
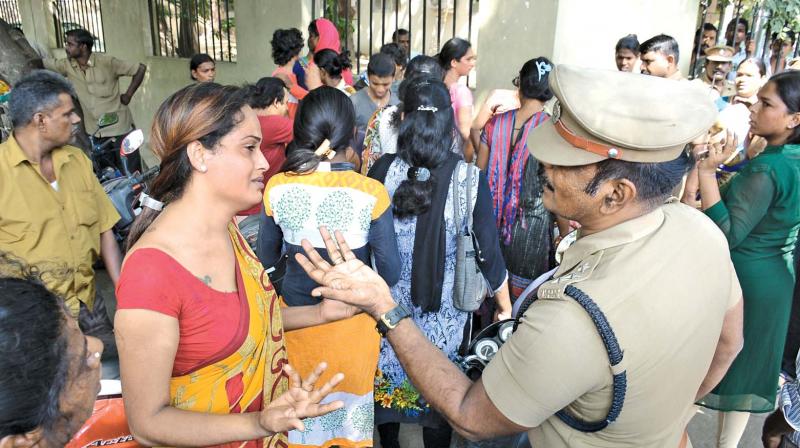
(396, 398)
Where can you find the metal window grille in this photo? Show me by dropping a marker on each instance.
(9, 11)
(365, 25)
(73, 14)
(757, 13)
(183, 28)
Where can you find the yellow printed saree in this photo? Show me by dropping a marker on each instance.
(250, 375)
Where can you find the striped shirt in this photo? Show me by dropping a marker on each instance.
(790, 403)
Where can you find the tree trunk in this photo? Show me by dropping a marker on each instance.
(17, 57)
(187, 37)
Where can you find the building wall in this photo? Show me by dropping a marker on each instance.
(128, 36)
(513, 32)
(581, 32)
(587, 31)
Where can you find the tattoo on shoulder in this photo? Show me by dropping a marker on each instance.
(205, 279)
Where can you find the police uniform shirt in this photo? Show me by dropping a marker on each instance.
(664, 281)
(728, 88)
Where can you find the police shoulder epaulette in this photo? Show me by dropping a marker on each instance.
(554, 288)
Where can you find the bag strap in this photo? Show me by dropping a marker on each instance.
(469, 197)
(456, 200)
(380, 168)
(615, 356)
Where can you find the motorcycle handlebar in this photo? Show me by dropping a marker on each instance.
(150, 173)
(103, 146)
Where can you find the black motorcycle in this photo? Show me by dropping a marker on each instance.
(127, 190)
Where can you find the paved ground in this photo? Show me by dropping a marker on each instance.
(702, 432)
(702, 428)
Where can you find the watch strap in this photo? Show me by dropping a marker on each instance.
(390, 319)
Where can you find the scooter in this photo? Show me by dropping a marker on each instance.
(108, 425)
(126, 190)
(102, 152)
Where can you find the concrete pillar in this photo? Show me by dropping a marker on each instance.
(37, 22)
(512, 32)
(572, 32)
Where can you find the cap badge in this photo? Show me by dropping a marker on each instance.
(556, 111)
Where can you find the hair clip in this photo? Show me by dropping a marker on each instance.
(543, 68)
(428, 108)
(150, 202)
(324, 150)
(419, 173)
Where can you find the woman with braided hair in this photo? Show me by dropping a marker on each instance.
(318, 187)
(419, 181)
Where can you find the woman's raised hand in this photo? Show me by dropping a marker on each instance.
(302, 400)
(347, 280)
(717, 152)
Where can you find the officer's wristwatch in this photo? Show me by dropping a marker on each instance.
(389, 320)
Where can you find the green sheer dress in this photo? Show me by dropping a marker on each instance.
(760, 215)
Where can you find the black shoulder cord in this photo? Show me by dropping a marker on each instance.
(614, 355)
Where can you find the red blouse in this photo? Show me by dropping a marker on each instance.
(210, 321)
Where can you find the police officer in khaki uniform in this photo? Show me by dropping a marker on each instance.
(719, 61)
(655, 274)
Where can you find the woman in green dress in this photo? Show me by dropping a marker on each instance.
(759, 212)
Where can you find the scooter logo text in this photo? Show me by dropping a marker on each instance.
(109, 442)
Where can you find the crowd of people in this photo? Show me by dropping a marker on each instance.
(656, 233)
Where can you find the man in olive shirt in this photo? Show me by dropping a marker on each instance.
(54, 214)
(95, 78)
(658, 272)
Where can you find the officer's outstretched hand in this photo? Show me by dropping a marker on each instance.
(348, 280)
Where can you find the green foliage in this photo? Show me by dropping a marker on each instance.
(784, 15)
(334, 11)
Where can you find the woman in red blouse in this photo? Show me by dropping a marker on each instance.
(269, 98)
(199, 327)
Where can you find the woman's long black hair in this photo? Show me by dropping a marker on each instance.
(533, 80)
(424, 140)
(788, 86)
(34, 364)
(332, 62)
(453, 50)
(325, 113)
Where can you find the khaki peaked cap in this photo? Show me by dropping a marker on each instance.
(602, 114)
(720, 53)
